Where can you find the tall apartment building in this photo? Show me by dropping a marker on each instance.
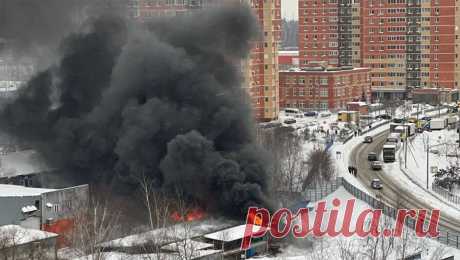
(410, 43)
(326, 32)
(407, 44)
(261, 69)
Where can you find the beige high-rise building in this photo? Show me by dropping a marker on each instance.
(261, 69)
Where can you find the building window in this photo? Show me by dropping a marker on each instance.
(324, 93)
(323, 81)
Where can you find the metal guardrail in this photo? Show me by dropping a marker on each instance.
(446, 194)
(446, 236)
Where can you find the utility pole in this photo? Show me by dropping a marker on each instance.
(427, 159)
(405, 145)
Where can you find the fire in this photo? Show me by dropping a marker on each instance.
(256, 219)
(191, 215)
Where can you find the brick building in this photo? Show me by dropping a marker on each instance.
(261, 69)
(407, 44)
(327, 31)
(323, 89)
(410, 43)
(288, 59)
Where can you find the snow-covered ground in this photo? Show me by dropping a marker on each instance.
(335, 248)
(443, 153)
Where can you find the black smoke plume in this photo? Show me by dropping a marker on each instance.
(32, 26)
(163, 100)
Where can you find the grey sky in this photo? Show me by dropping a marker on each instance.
(289, 9)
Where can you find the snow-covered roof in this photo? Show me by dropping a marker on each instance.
(7, 190)
(22, 163)
(288, 53)
(187, 243)
(231, 234)
(17, 235)
(357, 103)
(173, 233)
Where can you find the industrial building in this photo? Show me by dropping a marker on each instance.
(37, 208)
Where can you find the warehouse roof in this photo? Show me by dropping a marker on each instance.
(7, 190)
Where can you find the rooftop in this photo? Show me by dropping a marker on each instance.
(230, 234)
(323, 69)
(19, 235)
(7, 190)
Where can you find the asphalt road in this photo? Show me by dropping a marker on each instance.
(393, 194)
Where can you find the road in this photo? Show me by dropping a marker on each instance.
(393, 194)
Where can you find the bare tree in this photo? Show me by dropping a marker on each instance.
(95, 223)
(320, 167)
(287, 165)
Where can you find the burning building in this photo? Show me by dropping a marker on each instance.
(161, 99)
(46, 209)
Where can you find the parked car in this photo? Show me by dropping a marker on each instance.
(398, 120)
(376, 165)
(289, 121)
(325, 114)
(384, 116)
(310, 113)
(426, 118)
(376, 184)
(372, 156)
(368, 139)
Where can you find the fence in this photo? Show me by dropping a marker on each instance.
(445, 193)
(446, 236)
(318, 191)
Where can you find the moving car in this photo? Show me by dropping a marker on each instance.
(289, 121)
(376, 165)
(372, 156)
(368, 139)
(376, 184)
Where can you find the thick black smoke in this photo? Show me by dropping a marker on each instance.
(30, 26)
(164, 100)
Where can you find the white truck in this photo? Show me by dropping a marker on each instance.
(401, 128)
(438, 124)
(389, 152)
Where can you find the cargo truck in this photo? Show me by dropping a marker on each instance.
(389, 152)
(438, 124)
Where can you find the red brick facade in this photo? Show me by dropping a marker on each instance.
(322, 90)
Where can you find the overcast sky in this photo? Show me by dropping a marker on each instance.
(289, 9)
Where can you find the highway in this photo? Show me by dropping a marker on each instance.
(393, 194)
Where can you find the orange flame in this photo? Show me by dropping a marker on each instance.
(192, 215)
